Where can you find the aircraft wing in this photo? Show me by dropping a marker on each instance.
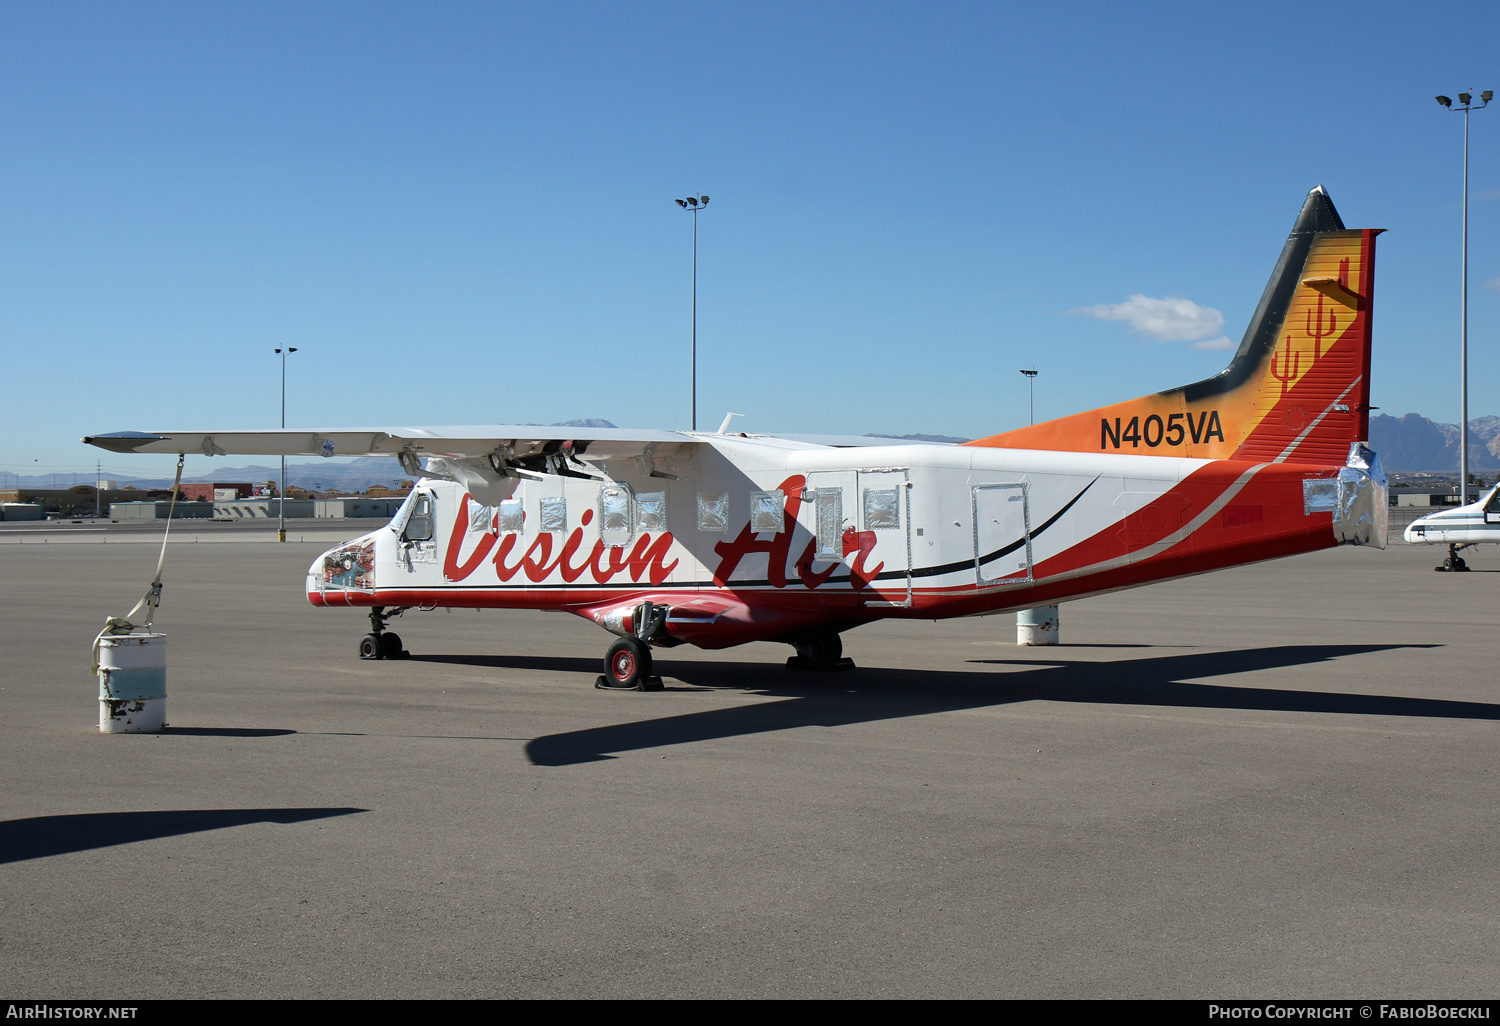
(510, 441)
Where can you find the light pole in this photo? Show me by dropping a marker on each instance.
(1466, 104)
(1031, 386)
(281, 505)
(695, 204)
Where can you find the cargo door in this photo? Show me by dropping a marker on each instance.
(1002, 535)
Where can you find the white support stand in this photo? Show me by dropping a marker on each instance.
(1039, 626)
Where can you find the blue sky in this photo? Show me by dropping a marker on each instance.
(461, 213)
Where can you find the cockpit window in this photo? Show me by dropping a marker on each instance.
(1493, 505)
(419, 524)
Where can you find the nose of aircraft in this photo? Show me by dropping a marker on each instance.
(1416, 531)
(342, 573)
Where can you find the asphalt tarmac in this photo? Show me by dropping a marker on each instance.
(1279, 781)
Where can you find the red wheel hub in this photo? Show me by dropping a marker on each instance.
(624, 666)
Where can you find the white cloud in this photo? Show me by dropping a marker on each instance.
(1493, 284)
(1222, 342)
(1174, 319)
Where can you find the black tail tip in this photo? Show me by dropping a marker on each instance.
(1318, 214)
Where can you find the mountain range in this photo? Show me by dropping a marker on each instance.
(1414, 443)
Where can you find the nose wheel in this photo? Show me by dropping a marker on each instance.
(1454, 563)
(627, 667)
(381, 643)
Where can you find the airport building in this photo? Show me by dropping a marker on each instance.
(160, 509)
(80, 500)
(21, 511)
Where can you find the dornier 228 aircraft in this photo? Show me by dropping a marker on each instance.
(717, 539)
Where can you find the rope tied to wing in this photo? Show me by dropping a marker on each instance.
(115, 625)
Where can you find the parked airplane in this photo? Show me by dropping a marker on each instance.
(1477, 523)
(716, 538)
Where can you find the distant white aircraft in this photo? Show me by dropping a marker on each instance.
(1478, 523)
(716, 539)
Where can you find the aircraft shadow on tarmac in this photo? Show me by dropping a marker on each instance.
(872, 693)
(41, 836)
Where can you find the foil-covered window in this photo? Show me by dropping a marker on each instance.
(479, 517)
(882, 509)
(829, 506)
(511, 517)
(767, 511)
(554, 515)
(1320, 496)
(615, 526)
(651, 511)
(713, 512)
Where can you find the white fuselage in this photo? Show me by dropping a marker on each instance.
(785, 533)
(1475, 524)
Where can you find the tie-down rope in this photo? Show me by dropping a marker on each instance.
(149, 601)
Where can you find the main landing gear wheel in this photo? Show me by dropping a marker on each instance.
(820, 652)
(369, 646)
(627, 667)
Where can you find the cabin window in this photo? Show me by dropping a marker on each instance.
(511, 517)
(651, 511)
(554, 516)
(713, 512)
(829, 506)
(615, 526)
(419, 524)
(767, 511)
(882, 509)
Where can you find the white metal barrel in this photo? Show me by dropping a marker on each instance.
(1039, 626)
(132, 683)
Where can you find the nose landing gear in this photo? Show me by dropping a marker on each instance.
(381, 643)
(1454, 563)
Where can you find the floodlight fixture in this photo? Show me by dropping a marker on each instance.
(1031, 388)
(1445, 101)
